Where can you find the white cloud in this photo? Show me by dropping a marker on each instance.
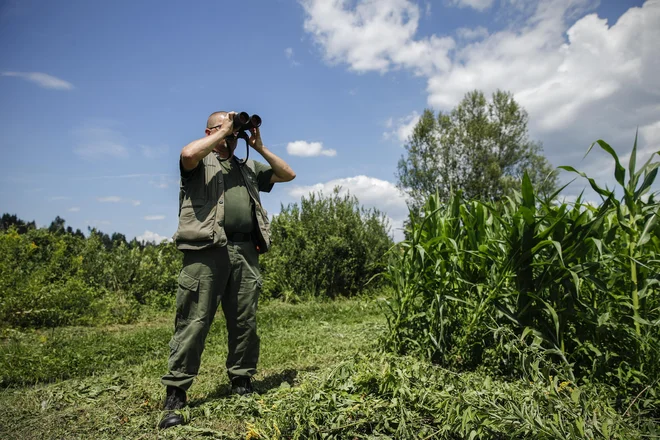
(403, 128)
(376, 35)
(42, 79)
(136, 202)
(479, 5)
(152, 237)
(154, 217)
(74, 209)
(100, 141)
(469, 34)
(56, 198)
(371, 193)
(109, 199)
(579, 77)
(309, 149)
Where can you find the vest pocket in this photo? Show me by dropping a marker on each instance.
(196, 220)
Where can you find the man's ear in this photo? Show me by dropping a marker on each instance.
(207, 131)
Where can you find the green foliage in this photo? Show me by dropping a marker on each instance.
(529, 287)
(480, 148)
(51, 278)
(325, 247)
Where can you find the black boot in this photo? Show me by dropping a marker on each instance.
(241, 385)
(176, 399)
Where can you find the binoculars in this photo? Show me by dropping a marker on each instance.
(243, 121)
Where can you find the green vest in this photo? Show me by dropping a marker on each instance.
(202, 208)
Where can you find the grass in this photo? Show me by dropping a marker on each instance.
(105, 382)
(321, 376)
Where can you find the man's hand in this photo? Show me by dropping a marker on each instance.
(255, 139)
(282, 172)
(227, 126)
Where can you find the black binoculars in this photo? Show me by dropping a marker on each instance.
(243, 121)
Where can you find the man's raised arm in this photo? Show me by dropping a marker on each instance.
(282, 172)
(198, 149)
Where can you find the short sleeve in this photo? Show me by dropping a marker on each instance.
(264, 173)
(188, 174)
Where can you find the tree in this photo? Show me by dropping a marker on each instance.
(22, 226)
(57, 225)
(481, 148)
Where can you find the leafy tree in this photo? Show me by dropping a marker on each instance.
(78, 233)
(22, 226)
(481, 148)
(57, 225)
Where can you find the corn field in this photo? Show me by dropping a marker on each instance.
(538, 289)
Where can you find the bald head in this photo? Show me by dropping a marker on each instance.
(215, 119)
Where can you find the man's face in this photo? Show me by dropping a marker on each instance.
(229, 143)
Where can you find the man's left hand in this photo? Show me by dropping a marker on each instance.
(255, 139)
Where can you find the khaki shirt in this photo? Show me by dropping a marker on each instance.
(202, 205)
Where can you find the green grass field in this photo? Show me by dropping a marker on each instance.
(321, 376)
(105, 382)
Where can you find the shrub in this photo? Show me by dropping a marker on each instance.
(324, 247)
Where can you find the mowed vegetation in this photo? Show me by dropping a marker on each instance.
(512, 316)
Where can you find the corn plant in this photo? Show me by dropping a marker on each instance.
(577, 280)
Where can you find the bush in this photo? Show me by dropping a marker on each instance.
(52, 278)
(324, 247)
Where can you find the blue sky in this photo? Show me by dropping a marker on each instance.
(98, 98)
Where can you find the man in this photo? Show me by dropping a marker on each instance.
(222, 229)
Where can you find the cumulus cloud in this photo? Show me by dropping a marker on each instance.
(472, 33)
(403, 127)
(579, 77)
(152, 237)
(42, 80)
(371, 193)
(374, 36)
(154, 217)
(309, 149)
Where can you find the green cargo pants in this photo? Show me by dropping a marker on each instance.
(222, 275)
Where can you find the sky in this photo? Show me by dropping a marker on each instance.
(97, 99)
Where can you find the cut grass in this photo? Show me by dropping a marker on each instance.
(114, 389)
(321, 375)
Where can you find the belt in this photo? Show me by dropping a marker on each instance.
(238, 237)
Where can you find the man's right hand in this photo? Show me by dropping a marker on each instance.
(228, 125)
